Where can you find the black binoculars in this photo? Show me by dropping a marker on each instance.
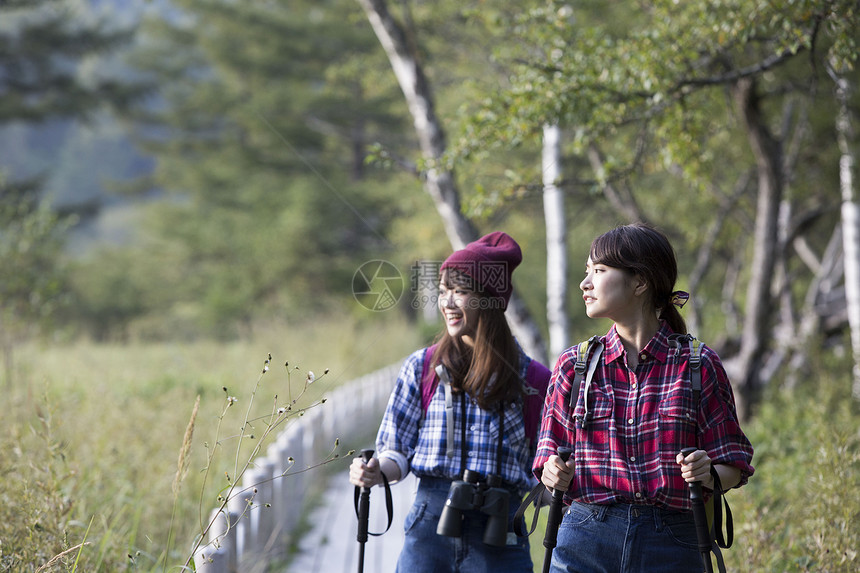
(484, 495)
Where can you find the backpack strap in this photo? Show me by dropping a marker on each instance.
(695, 367)
(695, 360)
(537, 381)
(429, 381)
(584, 371)
(442, 374)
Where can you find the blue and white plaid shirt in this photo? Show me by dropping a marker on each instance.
(418, 442)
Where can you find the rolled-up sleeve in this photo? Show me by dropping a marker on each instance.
(557, 427)
(721, 434)
(401, 422)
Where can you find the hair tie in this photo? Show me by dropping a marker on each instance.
(679, 298)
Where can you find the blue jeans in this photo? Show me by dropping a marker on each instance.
(625, 538)
(424, 551)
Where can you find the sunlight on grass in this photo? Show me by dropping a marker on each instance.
(94, 432)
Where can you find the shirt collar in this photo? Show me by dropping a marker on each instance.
(656, 349)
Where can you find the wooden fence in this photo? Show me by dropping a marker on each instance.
(248, 541)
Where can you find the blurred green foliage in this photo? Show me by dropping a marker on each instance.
(800, 511)
(285, 156)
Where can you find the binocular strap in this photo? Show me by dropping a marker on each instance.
(442, 372)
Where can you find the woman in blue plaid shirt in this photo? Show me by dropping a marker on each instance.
(462, 407)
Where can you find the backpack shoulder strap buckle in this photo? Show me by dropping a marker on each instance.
(581, 361)
(584, 371)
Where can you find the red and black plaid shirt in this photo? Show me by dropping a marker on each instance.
(641, 420)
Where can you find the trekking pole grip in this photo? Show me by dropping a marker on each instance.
(554, 516)
(703, 531)
(364, 503)
(564, 454)
(553, 520)
(695, 486)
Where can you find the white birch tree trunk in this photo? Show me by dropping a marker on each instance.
(850, 224)
(438, 181)
(556, 244)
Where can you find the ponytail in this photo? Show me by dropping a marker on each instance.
(676, 322)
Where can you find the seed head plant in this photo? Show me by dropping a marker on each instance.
(256, 430)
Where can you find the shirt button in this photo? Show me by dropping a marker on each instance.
(632, 458)
(471, 454)
(630, 421)
(472, 428)
(643, 357)
(638, 495)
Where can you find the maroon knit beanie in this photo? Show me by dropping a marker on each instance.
(490, 261)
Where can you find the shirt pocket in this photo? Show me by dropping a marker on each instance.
(678, 422)
(596, 413)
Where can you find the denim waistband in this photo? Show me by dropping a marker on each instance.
(430, 482)
(631, 511)
(625, 508)
(437, 483)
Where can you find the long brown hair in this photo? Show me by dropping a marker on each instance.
(489, 372)
(643, 250)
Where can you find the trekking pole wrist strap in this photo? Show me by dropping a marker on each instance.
(533, 498)
(389, 503)
(721, 506)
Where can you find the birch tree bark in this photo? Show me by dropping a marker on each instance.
(850, 222)
(439, 182)
(556, 244)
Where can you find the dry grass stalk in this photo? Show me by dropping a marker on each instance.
(182, 462)
(56, 558)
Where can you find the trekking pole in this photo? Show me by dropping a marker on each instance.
(363, 515)
(553, 519)
(703, 532)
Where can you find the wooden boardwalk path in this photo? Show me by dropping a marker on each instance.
(331, 545)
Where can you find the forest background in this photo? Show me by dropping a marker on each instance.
(190, 185)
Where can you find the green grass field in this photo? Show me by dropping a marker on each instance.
(91, 435)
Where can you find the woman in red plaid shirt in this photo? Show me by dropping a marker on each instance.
(626, 481)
